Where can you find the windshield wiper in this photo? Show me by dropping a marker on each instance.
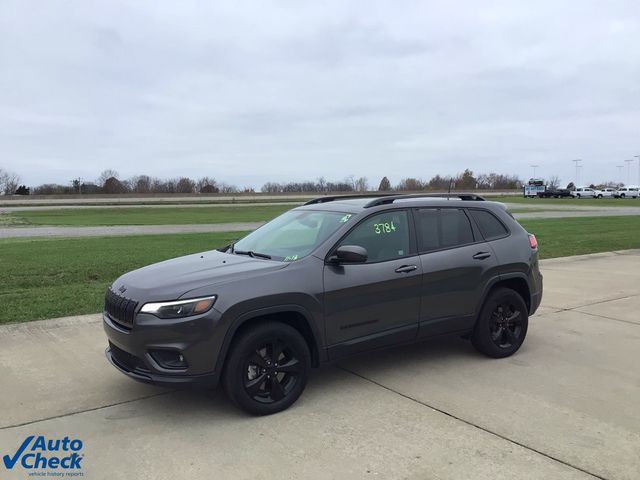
(252, 254)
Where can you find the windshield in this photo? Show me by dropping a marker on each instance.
(293, 234)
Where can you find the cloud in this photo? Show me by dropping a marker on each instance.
(258, 91)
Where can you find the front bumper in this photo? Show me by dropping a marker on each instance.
(132, 350)
(145, 376)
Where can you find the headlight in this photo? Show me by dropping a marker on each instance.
(179, 308)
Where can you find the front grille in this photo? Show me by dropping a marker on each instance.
(126, 360)
(120, 309)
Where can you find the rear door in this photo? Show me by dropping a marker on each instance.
(456, 264)
(374, 303)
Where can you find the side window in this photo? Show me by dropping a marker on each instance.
(490, 227)
(442, 228)
(456, 229)
(385, 236)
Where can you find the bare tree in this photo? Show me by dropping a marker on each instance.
(9, 182)
(185, 185)
(226, 188)
(554, 181)
(105, 175)
(410, 184)
(361, 184)
(207, 185)
(140, 184)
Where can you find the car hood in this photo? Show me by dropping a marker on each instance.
(173, 278)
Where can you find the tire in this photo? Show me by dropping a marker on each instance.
(254, 381)
(502, 325)
(622, 195)
(599, 196)
(578, 195)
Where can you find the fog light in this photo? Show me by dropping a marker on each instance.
(169, 359)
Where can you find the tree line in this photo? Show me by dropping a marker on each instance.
(109, 182)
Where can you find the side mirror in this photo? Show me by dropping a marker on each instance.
(349, 254)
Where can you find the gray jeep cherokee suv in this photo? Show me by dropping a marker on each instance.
(337, 276)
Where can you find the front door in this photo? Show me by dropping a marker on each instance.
(374, 303)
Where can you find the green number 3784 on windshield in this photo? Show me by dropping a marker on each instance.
(382, 228)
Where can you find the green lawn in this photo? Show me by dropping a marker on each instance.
(145, 215)
(46, 278)
(569, 202)
(562, 237)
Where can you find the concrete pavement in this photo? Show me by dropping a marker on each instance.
(565, 406)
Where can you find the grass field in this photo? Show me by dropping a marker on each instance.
(46, 278)
(562, 237)
(144, 215)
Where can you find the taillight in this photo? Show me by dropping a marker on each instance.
(533, 242)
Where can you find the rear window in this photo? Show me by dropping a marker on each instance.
(490, 227)
(442, 228)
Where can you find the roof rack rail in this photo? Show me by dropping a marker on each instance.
(391, 198)
(333, 198)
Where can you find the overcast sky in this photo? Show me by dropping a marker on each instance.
(250, 92)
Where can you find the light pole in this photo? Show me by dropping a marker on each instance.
(638, 157)
(534, 169)
(628, 161)
(577, 161)
(620, 167)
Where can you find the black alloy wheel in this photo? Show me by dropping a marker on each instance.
(267, 368)
(506, 326)
(271, 371)
(502, 325)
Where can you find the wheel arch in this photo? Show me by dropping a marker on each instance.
(295, 316)
(515, 281)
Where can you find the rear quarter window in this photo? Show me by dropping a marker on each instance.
(490, 227)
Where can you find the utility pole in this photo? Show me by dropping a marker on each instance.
(629, 170)
(534, 169)
(577, 161)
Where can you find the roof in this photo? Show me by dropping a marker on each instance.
(358, 203)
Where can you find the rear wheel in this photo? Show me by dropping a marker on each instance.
(267, 368)
(502, 325)
(622, 195)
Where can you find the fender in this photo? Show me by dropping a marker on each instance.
(499, 278)
(243, 318)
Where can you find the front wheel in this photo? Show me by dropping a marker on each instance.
(599, 196)
(622, 195)
(502, 325)
(267, 368)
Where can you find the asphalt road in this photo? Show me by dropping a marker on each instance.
(564, 407)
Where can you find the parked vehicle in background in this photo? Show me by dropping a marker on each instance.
(586, 192)
(555, 193)
(626, 192)
(607, 192)
(533, 188)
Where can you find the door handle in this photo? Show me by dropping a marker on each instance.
(406, 268)
(481, 255)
